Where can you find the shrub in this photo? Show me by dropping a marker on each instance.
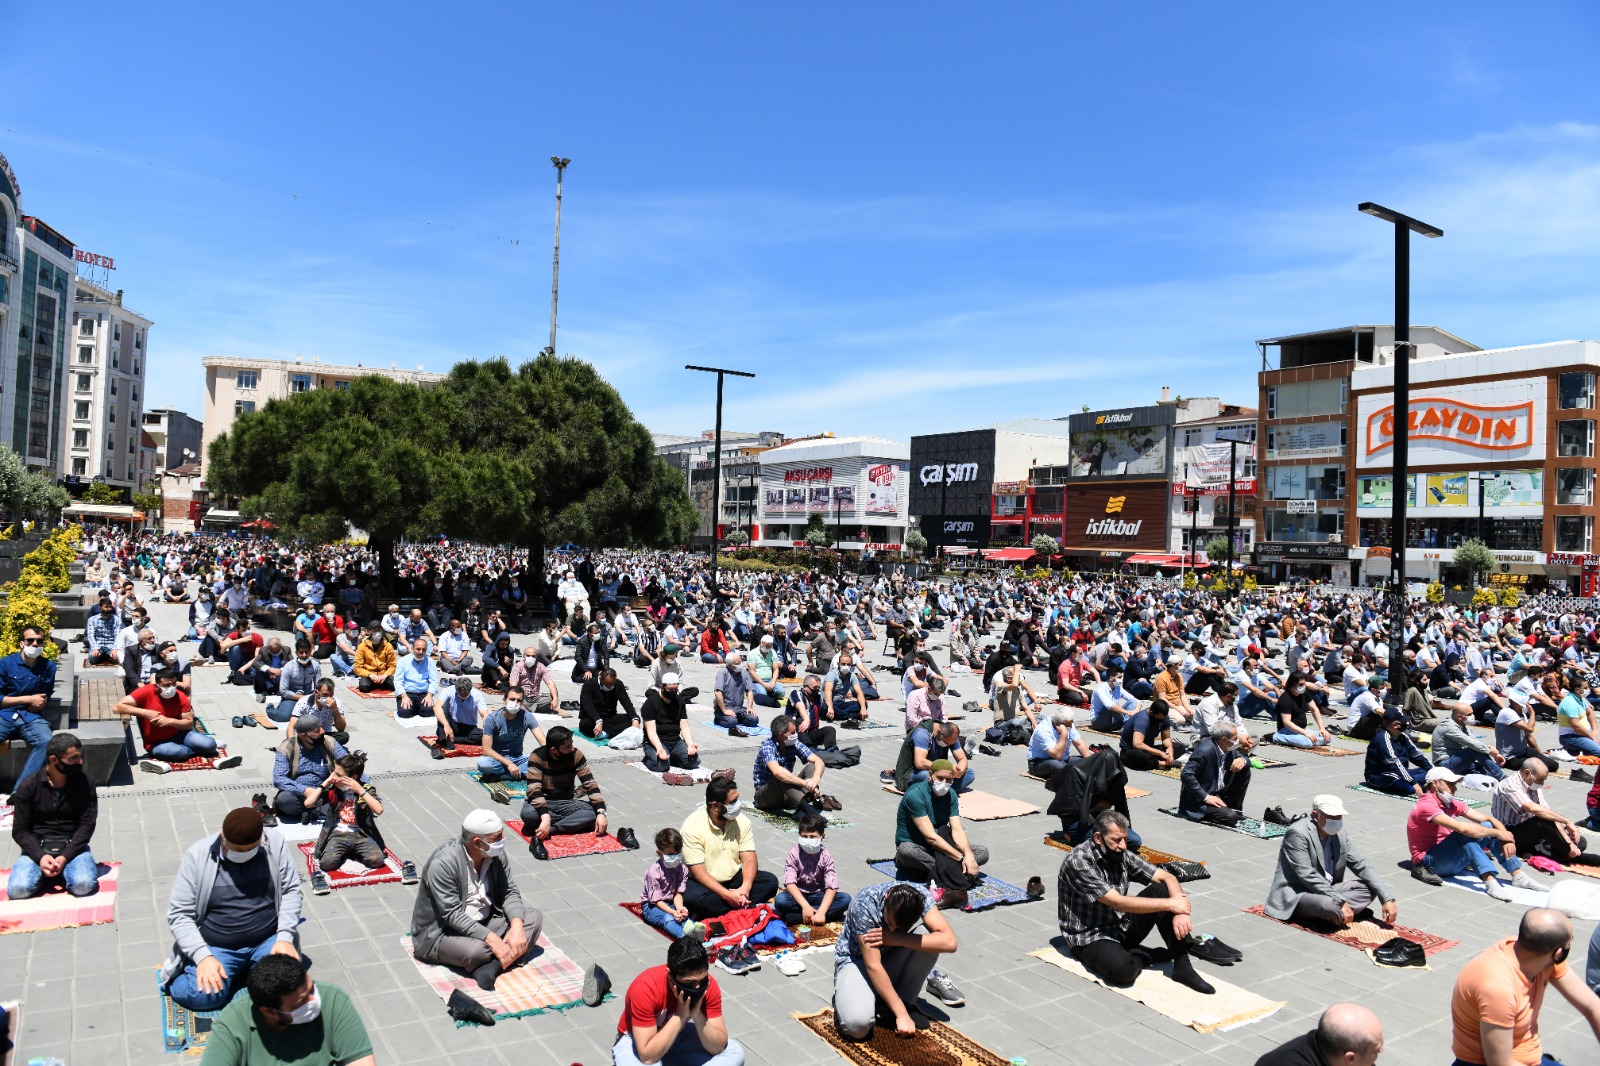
(1485, 597)
(44, 570)
(915, 541)
(1435, 592)
(1250, 583)
(737, 538)
(1190, 581)
(1510, 597)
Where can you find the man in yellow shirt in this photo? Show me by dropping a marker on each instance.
(720, 852)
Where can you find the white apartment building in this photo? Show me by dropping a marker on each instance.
(235, 386)
(103, 390)
(10, 289)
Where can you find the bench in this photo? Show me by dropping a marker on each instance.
(104, 733)
(15, 753)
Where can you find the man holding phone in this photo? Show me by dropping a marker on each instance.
(675, 1012)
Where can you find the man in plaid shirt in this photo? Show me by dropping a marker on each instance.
(778, 787)
(1104, 925)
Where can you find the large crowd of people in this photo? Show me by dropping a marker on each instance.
(1094, 675)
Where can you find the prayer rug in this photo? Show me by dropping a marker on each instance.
(1249, 827)
(892, 790)
(1368, 934)
(518, 789)
(261, 719)
(1522, 896)
(569, 845)
(604, 742)
(980, 806)
(460, 751)
(749, 730)
(1132, 793)
(183, 1030)
(1174, 772)
(199, 762)
(1328, 752)
(352, 873)
(1581, 871)
(1258, 762)
(297, 832)
(375, 694)
(937, 1045)
(550, 981)
(1475, 804)
(1230, 1006)
(787, 823)
(700, 775)
(991, 891)
(56, 908)
(1150, 855)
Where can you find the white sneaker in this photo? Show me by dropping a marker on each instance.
(155, 766)
(1497, 890)
(791, 965)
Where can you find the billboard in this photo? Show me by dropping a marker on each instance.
(1501, 488)
(882, 489)
(952, 473)
(1139, 451)
(1116, 517)
(1214, 464)
(1493, 421)
(1309, 440)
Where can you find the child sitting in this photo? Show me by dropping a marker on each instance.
(662, 897)
(350, 828)
(811, 893)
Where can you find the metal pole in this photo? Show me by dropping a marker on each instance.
(555, 264)
(1480, 509)
(1194, 529)
(716, 471)
(1402, 471)
(1233, 466)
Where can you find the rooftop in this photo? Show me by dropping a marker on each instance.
(316, 366)
(838, 448)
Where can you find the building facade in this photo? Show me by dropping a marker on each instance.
(177, 436)
(953, 478)
(695, 459)
(857, 484)
(46, 292)
(102, 416)
(235, 386)
(10, 289)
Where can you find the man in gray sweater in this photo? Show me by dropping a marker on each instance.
(1459, 750)
(235, 901)
(469, 915)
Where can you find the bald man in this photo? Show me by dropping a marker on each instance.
(1348, 1034)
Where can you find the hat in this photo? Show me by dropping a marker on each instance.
(481, 823)
(1328, 804)
(242, 826)
(941, 764)
(670, 678)
(1443, 773)
(670, 649)
(1394, 714)
(766, 640)
(307, 724)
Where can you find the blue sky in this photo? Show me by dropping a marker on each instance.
(904, 218)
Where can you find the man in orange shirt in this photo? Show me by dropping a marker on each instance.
(1498, 995)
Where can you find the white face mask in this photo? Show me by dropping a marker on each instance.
(790, 741)
(495, 847)
(307, 1012)
(241, 856)
(32, 651)
(167, 691)
(670, 861)
(940, 788)
(810, 845)
(1332, 826)
(732, 810)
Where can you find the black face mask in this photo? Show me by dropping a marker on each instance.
(691, 993)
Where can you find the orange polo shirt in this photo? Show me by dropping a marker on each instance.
(1493, 988)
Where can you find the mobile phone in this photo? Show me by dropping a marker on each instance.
(1438, 497)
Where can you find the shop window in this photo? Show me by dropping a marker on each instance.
(1323, 527)
(1576, 391)
(1574, 533)
(1575, 438)
(1574, 486)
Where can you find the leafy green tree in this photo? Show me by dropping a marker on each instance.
(1044, 545)
(102, 493)
(1216, 549)
(818, 533)
(378, 456)
(1475, 557)
(915, 541)
(550, 453)
(148, 502)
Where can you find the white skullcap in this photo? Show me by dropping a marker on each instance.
(670, 678)
(481, 823)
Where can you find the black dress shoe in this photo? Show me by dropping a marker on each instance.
(463, 1008)
(626, 838)
(537, 849)
(1275, 816)
(735, 731)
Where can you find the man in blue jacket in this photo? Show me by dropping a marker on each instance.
(27, 679)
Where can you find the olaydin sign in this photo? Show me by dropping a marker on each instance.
(948, 473)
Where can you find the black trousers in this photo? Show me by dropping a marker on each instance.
(825, 737)
(701, 902)
(1134, 759)
(1113, 961)
(1536, 836)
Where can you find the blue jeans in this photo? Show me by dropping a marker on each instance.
(847, 710)
(81, 875)
(1294, 740)
(1474, 762)
(963, 785)
(788, 907)
(678, 757)
(282, 711)
(1578, 744)
(1397, 785)
(236, 963)
(495, 770)
(16, 724)
(776, 699)
(742, 717)
(869, 690)
(1459, 853)
(685, 1051)
(184, 747)
(654, 915)
(342, 664)
(1143, 690)
(1253, 706)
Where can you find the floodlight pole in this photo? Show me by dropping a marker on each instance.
(716, 469)
(555, 265)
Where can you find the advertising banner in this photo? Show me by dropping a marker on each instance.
(1446, 490)
(1208, 464)
(1501, 488)
(1311, 440)
(1378, 491)
(952, 473)
(1116, 517)
(1512, 488)
(1487, 421)
(882, 489)
(1137, 452)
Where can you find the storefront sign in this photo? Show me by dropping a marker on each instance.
(1121, 418)
(1281, 551)
(1312, 440)
(814, 473)
(1245, 486)
(93, 259)
(1477, 426)
(1492, 420)
(1302, 507)
(1572, 559)
(1129, 517)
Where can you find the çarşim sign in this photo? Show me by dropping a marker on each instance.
(1476, 426)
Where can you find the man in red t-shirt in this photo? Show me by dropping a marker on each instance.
(325, 631)
(675, 1011)
(166, 722)
(1449, 838)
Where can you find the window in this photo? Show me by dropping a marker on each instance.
(1314, 482)
(1272, 401)
(80, 438)
(136, 394)
(1327, 397)
(1575, 438)
(1576, 390)
(1574, 486)
(113, 386)
(80, 410)
(80, 467)
(83, 382)
(138, 338)
(151, 418)
(116, 331)
(86, 327)
(130, 471)
(136, 368)
(246, 379)
(1574, 533)
(342, 385)
(243, 407)
(85, 353)
(299, 382)
(1326, 526)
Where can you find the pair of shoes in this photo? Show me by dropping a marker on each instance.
(886, 777)
(850, 723)
(791, 965)
(596, 985)
(237, 722)
(537, 849)
(1426, 875)
(500, 794)
(1035, 887)
(1275, 816)
(269, 817)
(249, 721)
(989, 749)
(677, 777)
(718, 775)
(735, 731)
(463, 1008)
(1213, 950)
(319, 883)
(229, 763)
(738, 959)
(952, 899)
(408, 872)
(626, 838)
(1185, 870)
(154, 766)
(941, 988)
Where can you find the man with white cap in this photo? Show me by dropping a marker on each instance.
(1054, 743)
(1309, 884)
(668, 744)
(1446, 838)
(469, 915)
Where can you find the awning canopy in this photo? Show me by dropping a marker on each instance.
(115, 512)
(217, 514)
(1155, 559)
(1008, 555)
(952, 549)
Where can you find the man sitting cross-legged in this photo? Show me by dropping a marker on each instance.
(780, 786)
(556, 770)
(1446, 838)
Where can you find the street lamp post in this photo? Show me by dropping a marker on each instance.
(555, 265)
(716, 465)
(1194, 528)
(1404, 226)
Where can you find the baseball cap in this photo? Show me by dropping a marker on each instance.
(670, 678)
(1443, 773)
(1328, 804)
(1394, 714)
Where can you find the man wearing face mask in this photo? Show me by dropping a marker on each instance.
(167, 656)
(469, 915)
(27, 678)
(375, 661)
(537, 683)
(167, 726)
(53, 821)
(930, 841)
(236, 899)
(324, 706)
(1309, 882)
(720, 852)
(1448, 838)
(304, 760)
(139, 661)
(102, 633)
(288, 1018)
(297, 680)
(673, 1013)
(805, 707)
(556, 770)
(598, 706)
(1110, 704)
(504, 735)
(778, 787)
(842, 693)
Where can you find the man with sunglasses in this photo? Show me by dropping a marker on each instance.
(674, 1012)
(27, 678)
(1495, 1006)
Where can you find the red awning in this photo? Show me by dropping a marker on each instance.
(1152, 559)
(1008, 555)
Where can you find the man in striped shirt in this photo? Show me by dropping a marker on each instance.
(1518, 802)
(555, 772)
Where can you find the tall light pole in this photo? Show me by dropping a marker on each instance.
(716, 470)
(561, 165)
(1404, 226)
